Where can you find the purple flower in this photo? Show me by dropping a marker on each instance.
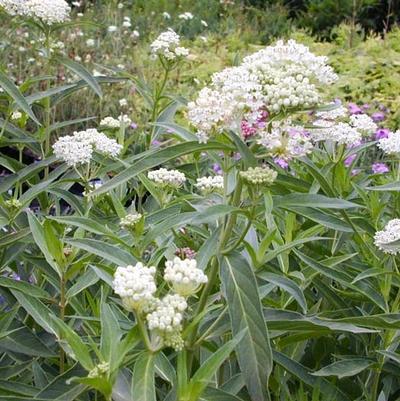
(381, 133)
(379, 168)
(281, 162)
(365, 106)
(348, 161)
(155, 143)
(217, 168)
(355, 171)
(133, 125)
(354, 109)
(378, 116)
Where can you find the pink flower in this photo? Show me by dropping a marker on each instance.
(381, 133)
(379, 168)
(348, 161)
(354, 109)
(281, 162)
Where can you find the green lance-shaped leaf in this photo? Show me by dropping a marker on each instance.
(83, 73)
(209, 368)
(345, 368)
(329, 390)
(78, 350)
(18, 97)
(254, 351)
(143, 385)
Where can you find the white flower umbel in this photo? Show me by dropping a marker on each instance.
(164, 177)
(209, 184)
(114, 123)
(363, 123)
(332, 115)
(130, 220)
(184, 276)
(79, 148)
(259, 175)
(279, 78)
(166, 320)
(341, 132)
(391, 144)
(167, 45)
(388, 240)
(48, 11)
(135, 285)
(285, 141)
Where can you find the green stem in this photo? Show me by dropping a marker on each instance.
(144, 333)
(62, 317)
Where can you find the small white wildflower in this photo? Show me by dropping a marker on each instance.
(342, 133)
(184, 276)
(186, 16)
(391, 144)
(123, 102)
(16, 115)
(166, 15)
(167, 45)
(79, 148)
(204, 23)
(130, 220)
(388, 240)
(164, 177)
(364, 123)
(48, 11)
(135, 34)
(90, 42)
(112, 28)
(210, 183)
(126, 24)
(135, 285)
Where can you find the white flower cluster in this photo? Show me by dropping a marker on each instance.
(184, 276)
(164, 177)
(167, 45)
(285, 141)
(135, 285)
(210, 184)
(79, 148)
(186, 16)
(386, 240)
(130, 220)
(286, 76)
(259, 175)
(234, 94)
(336, 125)
(391, 144)
(48, 11)
(114, 123)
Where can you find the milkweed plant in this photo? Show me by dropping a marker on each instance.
(241, 246)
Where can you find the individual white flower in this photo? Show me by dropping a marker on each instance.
(164, 177)
(342, 133)
(48, 11)
(78, 148)
(135, 285)
(123, 102)
(90, 42)
(186, 16)
(204, 23)
(388, 240)
(285, 141)
(167, 45)
(130, 220)
(391, 144)
(166, 15)
(184, 276)
(126, 24)
(110, 122)
(112, 28)
(210, 183)
(363, 123)
(16, 115)
(259, 175)
(120, 6)
(135, 34)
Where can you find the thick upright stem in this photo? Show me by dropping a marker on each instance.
(62, 317)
